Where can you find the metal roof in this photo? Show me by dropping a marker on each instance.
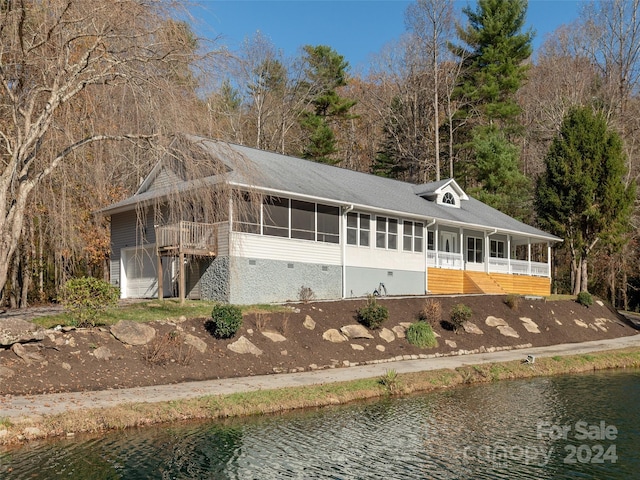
(281, 174)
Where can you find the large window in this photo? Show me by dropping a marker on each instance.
(412, 236)
(358, 229)
(247, 215)
(303, 220)
(387, 233)
(474, 250)
(328, 224)
(288, 218)
(497, 249)
(276, 216)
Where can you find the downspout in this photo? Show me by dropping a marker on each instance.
(488, 250)
(426, 255)
(346, 210)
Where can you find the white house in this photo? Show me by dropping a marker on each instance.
(338, 232)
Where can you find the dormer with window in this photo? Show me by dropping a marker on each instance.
(446, 192)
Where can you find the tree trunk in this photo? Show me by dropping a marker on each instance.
(583, 275)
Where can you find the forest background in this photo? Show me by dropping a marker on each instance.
(94, 92)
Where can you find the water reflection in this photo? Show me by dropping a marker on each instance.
(499, 430)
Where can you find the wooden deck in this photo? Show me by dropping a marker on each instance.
(444, 281)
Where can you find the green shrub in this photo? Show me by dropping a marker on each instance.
(460, 313)
(372, 315)
(421, 335)
(585, 298)
(84, 298)
(431, 312)
(226, 320)
(513, 301)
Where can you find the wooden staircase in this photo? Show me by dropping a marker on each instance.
(483, 283)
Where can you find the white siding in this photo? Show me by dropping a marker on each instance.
(387, 259)
(285, 249)
(223, 239)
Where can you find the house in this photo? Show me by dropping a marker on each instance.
(319, 229)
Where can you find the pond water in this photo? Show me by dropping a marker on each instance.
(573, 427)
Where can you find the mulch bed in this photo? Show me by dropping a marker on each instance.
(68, 363)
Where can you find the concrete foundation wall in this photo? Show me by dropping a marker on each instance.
(362, 281)
(268, 281)
(215, 280)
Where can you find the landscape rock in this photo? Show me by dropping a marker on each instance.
(16, 330)
(25, 355)
(451, 343)
(102, 353)
(309, 323)
(195, 342)
(507, 331)
(495, 322)
(380, 348)
(66, 366)
(334, 336)
(601, 322)
(356, 331)
(244, 346)
(471, 327)
(355, 346)
(133, 333)
(530, 325)
(274, 336)
(387, 335)
(400, 331)
(580, 323)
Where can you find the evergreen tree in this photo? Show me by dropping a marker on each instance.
(501, 184)
(493, 68)
(582, 196)
(325, 72)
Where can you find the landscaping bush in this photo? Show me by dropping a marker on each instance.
(306, 294)
(85, 298)
(421, 335)
(372, 315)
(585, 298)
(431, 312)
(460, 313)
(513, 301)
(226, 320)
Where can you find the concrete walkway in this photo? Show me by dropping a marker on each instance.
(49, 404)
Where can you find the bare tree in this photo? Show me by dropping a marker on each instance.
(64, 63)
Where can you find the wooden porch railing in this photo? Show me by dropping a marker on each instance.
(188, 237)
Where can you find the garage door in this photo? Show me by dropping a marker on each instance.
(140, 277)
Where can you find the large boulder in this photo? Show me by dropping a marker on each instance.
(133, 333)
(244, 346)
(16, 330)
(356, 331)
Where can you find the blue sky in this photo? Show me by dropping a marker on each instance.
(354, 28)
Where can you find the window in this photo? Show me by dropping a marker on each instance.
(303, 220)
(449, 199)
(247, 215)
(474, 250)
(358, 227)
(412, 236)
(328, 224)
(497, 249)
(387, 233)
(276, 217)
(431, 240)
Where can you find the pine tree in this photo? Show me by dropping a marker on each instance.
(582, 196)
(325, 72)
(493, 59)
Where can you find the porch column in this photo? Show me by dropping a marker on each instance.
(436, 243)
(529, 255)
(182, 285)
(159, 267)
(549, 259)
(509, 253)
(462, 264)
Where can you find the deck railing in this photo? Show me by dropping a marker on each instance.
(453, 261)
(188, 236)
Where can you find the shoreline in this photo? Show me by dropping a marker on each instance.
(27, 418)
